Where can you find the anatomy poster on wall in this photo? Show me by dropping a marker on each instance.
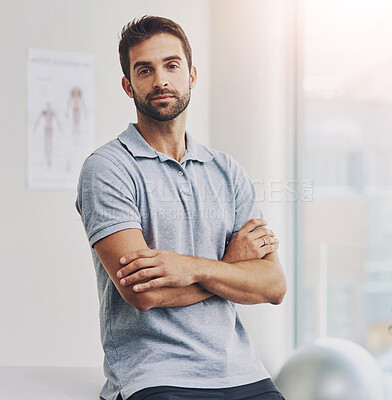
(60, 107)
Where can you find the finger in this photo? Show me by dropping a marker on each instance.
(266, 240)
(137, 264)
(270, 248)
(137, 254)
(258, 233)
(252, 224)
(153, 284)
(142, 274)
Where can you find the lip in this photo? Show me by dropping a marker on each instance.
(162, 98)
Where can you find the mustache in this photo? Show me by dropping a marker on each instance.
(161, 92)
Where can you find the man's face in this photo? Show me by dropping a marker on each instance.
(160, 80)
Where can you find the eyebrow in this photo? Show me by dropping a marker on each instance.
(148, 63)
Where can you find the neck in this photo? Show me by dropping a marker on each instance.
(167, 137)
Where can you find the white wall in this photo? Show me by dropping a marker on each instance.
(49, 298)
(49, 302)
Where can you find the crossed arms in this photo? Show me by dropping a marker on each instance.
(249, 273)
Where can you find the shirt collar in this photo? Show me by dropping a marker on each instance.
(137, 145)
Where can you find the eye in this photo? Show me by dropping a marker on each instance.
(173, 66)
(144, 71)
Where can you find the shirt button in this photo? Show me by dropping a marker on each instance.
(180, 173)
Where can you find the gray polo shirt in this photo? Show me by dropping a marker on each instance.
(192, 207)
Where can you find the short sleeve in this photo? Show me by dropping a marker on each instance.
(105, 199)
(246, 206)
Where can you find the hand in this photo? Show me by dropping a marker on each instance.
(159, 267)
(250, 243)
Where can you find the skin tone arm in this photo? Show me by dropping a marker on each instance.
(251, 281)
(109, 251)
(112, 247)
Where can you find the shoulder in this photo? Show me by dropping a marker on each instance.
(108, 157)
(226, 162)
(110, 169)
(112, 151)
(105, 175)
(218, 157)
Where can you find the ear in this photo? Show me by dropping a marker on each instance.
(193, 77)
(126, 85)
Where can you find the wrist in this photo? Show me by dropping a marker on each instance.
(196, 268)
(205, 269)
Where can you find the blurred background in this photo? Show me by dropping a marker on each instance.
(344, 121)
(299, 92)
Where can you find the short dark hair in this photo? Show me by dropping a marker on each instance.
(139, 30)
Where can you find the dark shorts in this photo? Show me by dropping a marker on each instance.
(261, 390)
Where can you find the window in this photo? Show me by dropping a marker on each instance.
(345, 147)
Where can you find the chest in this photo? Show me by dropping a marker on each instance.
(186, 208)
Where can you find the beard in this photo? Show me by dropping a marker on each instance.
(162, 111)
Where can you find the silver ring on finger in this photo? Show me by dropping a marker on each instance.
(264, 243)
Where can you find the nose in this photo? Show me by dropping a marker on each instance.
(160, 79)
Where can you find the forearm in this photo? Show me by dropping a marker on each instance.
(246, 282)
(172, 297)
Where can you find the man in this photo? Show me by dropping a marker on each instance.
(176, 241)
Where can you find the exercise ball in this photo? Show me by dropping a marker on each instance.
(331, 369)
